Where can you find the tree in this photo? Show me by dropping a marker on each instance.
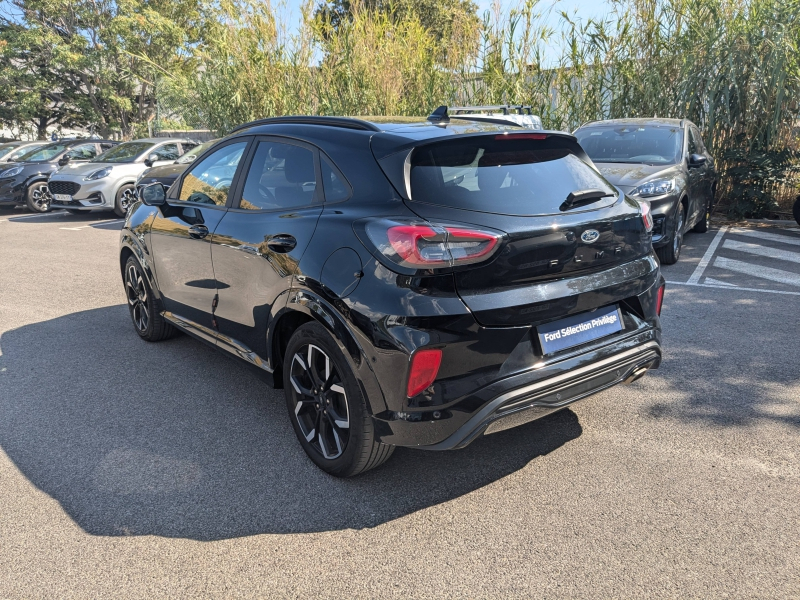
(99, 59)
(436, 16)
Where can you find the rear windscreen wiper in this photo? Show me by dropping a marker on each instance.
(581, 197)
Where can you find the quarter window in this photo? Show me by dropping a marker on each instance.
(333, 182)
(280, 176)
(210, 180)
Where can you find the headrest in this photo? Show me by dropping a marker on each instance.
(299, 165)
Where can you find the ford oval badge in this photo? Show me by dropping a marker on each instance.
(590, 235)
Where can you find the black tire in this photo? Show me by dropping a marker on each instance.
(126, 197)
(143, 306)
(333, 426)
(37, 197)
(796, 210)
(671, 252)
(704, 223)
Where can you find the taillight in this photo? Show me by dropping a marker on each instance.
(660, 300)
(421, 245)
(424, 368)
(647, 216)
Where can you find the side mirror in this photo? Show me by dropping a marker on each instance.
(64, 160)
(697, 160)
(153, 194)
(150, 160)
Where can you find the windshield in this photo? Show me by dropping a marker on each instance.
(42, 154)
(5, 149)
(653, 145)
(124, 153)
(195, 152)
(504, 176)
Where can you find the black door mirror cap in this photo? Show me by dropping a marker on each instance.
(64, 160)
(697, 160)
(150, 160)
(153, 194)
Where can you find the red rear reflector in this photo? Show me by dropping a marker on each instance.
(660, 300)
(647, 216)
(521, 136)
(424, 368)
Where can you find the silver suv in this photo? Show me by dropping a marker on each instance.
(108, 181)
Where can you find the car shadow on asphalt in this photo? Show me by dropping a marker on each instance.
(174, 439)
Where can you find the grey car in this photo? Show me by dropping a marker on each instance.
(664, 161)
(108, 181)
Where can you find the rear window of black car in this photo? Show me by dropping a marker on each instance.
(500, 175)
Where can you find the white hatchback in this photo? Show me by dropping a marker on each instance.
(108, 181)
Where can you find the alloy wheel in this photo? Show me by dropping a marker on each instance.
(320, 402)
(137, 298)
(40, 196)
(127, 199)
(677, 240)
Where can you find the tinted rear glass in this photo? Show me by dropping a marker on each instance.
(512, 177)
(632, 144)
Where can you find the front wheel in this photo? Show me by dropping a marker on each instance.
(143, 305)
(326, 407)
(669, 254)
(38, 197)
(126, 196)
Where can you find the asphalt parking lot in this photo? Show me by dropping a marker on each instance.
(130, 469)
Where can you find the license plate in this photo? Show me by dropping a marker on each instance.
(579, 329)
(62, 197)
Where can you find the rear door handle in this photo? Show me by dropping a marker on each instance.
(282, 243)
(198, 231)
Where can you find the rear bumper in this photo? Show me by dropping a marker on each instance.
(526, 396)
(531, 402)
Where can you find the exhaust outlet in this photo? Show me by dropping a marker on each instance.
(635, 374)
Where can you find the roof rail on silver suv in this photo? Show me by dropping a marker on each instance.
(515, 114)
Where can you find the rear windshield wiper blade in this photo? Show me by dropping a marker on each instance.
(581, 197)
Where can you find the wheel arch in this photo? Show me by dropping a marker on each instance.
(304, 307)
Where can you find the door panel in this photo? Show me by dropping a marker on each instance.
(698, 176)
(182, 257)
(260, 241)
(182, 231)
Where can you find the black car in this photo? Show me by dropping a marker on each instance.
(167, 174)
(25, 181)
(406, 284)
(664, 161)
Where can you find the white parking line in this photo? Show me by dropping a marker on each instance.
(759, 271)
(50, 214)
(698, 272)
(762, 251)
(769, 237)
(732, 288)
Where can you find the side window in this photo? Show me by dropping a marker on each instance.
(698, 140)
(333, 183)
(186, 146)
(692, 142)
(209, 181)
(83, 152)
(280, 176)
(106, 146)
(166, 152)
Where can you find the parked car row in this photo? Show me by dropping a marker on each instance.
(80, 175)
(418, 284)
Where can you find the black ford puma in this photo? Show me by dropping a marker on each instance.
(406, 284)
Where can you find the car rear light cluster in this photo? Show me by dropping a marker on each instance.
(660, 300)
(423, 245)
(647, 215)
(424, 368)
